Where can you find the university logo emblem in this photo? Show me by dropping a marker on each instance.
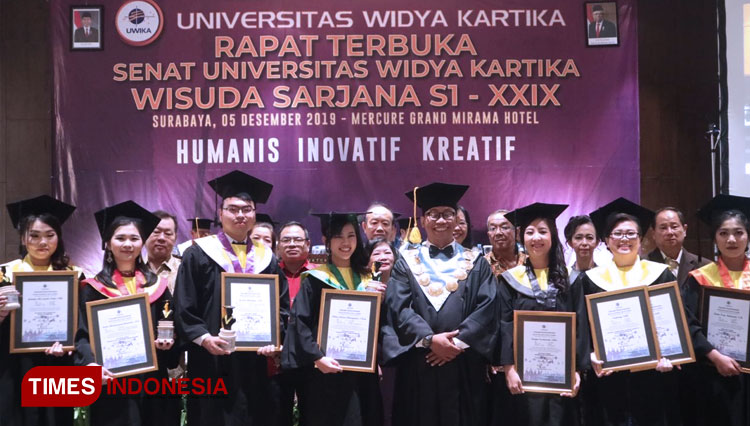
(139, 22)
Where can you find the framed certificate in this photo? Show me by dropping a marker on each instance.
(122, 335)
(622, 329)
(255, 298)
(48, 313)
(725, 316)
(544, 350)
(672, 330)
(348, 328)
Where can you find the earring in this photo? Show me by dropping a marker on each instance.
(109, 256)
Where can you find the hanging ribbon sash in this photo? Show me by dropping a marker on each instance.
(250, 258)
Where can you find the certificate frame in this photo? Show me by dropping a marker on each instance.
(270, 280)
(520, 319)
(369, 364)
(731, 293)
(66, 278)
(149, 349)
(686, 354)
(645, 362)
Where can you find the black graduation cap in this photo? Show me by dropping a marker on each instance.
(200, 223)
(129, 209)
(438, 194)
(403, 222)
(722, 203)
(238, 183)
(263, 217)
(523, 216)
(327, 218)
(597, 8)
(620, 205)
(39, 205)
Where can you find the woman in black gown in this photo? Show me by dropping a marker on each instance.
(331, 396)
(541, 284)
(627, 398)
(124, 227)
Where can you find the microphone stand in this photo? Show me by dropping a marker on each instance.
(713, 137)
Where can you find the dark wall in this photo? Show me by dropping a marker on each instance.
(25, 109)
(679, 97)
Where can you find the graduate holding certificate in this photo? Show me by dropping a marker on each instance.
(198, 307)
(627, 398)
(541, 284)
(39, 221)
(124, 227)
(329, 396)
(721, 387)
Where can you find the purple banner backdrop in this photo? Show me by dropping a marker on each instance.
(504, 96)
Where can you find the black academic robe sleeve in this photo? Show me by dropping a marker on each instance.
(166, 358)
(300, 345)
(410, 326)
(193, 296)
(583, 332)
(83, 354)
(478, 327)
(691, 299)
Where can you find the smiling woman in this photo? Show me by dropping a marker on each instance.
(124, 227)
(357, 393)
(646, 397)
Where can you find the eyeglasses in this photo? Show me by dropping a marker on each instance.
(447, 215)
(619, 235)
(295, 240)
(234, 210)
(503, 228)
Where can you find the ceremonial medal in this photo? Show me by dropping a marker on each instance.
(435, 289)
(461, 274)
(423, 280)
(467, 265)
(417, 269)
(451, 285)
(468, 255)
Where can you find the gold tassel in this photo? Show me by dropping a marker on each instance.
(415, 237)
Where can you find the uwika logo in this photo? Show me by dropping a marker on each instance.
(81, 386)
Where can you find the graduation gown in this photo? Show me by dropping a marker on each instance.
(129, 410)
(515, 293)
(642, 398)
(10, 390)
(20, 364)
(718, 400)
(335, 399)
(455, 394)
(198, 311)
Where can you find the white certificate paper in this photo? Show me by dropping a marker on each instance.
(44, 311)
(348, 328)
(666, 324)
(252, 309)
(623, 330)
(544, 352)
(121, 336)
(727, 326)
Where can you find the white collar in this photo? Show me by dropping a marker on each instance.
(679, 256)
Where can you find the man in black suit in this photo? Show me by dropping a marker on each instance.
(601, 27)
(85, 33)
(670, 230)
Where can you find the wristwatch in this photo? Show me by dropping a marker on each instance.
(427, 341)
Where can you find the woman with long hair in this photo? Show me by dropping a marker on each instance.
(627, 398)
(330, 396)
(722, 388)
(39, 222)
(541, 284)
(124, 227)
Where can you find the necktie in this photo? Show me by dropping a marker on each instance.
(448, 251)
(598, 28)
(672, 264)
